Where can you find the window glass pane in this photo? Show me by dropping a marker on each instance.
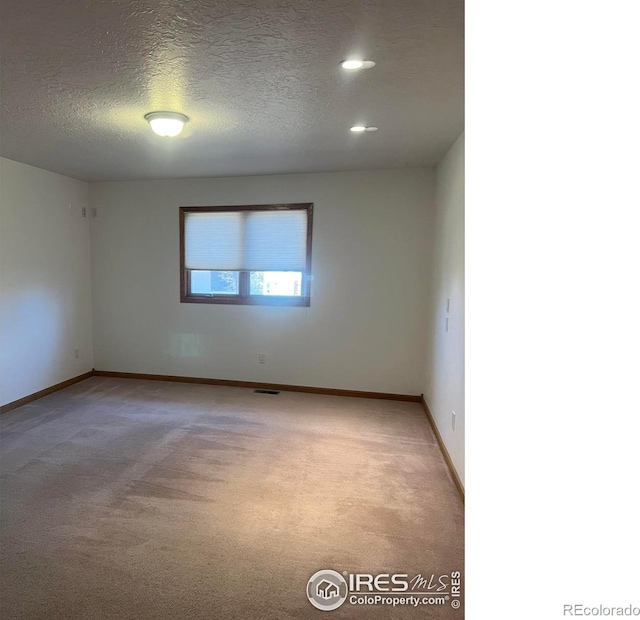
(215, 282)
(287, 283)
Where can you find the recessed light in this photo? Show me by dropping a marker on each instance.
(166, 124)
(358, 128)
(356, 63)
(352, 64)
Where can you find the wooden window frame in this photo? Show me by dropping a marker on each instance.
(244, 298)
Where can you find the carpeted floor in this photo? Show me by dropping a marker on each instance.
(136, 499)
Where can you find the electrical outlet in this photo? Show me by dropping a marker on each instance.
(262, 358)
(76, 353)
(94, 212)
(448, 305)
(453, 420)
(84, 211)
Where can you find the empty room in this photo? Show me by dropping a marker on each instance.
(232, 309)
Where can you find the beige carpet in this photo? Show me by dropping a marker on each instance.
(141, 499)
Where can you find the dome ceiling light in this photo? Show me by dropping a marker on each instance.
(166, 124)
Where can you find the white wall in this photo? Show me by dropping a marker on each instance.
(444, 381)
(369, 293)
(45, 288)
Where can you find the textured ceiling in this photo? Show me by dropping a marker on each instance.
(259, 80)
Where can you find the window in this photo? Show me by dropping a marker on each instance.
(257, 255)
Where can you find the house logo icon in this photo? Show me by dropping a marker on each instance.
(327, 590)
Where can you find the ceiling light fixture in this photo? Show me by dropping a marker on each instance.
(355, 63)
(361, 128)
(167, 124)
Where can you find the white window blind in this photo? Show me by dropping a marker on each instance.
(271, 240)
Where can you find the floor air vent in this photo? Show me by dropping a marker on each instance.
(266, 392)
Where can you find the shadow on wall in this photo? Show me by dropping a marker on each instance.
(33, 337)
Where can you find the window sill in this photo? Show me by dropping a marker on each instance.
(246, 301)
